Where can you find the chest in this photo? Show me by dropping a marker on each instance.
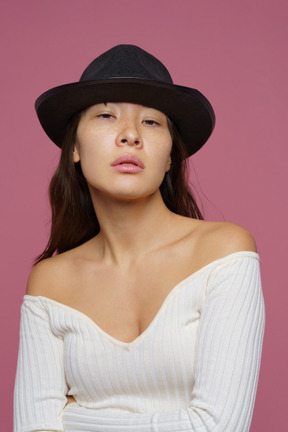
(104, 371)
(124, 305)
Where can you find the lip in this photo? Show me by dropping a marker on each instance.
(127, 168)
(130, 159)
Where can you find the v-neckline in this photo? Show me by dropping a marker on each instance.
(135, 341)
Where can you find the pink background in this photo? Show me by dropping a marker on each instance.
(235, 52)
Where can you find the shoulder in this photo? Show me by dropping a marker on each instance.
(49, 277)
(217, 239)
(44, 277)
(228, 237)
(55, 277)
(236, 238)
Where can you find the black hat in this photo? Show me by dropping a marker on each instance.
(127, 73)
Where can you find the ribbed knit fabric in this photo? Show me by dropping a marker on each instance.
(195, 368)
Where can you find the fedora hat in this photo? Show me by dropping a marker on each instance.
(127, 73)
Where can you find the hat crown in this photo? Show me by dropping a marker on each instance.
(126, 61)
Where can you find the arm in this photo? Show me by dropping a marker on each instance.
(40, 386)
(228, 354)
(229, 349)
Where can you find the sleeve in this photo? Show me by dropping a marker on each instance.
(40, 386)
(229, 348)
(228, 355)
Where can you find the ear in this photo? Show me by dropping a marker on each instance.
(76, 155)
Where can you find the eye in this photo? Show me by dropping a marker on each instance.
(105, 115)
(151, 122)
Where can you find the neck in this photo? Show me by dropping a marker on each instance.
(131, 228)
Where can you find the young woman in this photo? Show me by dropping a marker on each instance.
(139, 315)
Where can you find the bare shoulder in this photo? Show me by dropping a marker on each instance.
(50, 277)
(228, 237)
(44, 277)
(237, 238)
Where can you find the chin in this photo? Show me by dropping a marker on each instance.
(118, 190)
(132, 194)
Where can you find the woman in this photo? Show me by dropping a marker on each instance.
(147, 318)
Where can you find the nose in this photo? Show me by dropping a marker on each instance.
(129, 135)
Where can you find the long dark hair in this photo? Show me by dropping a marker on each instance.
(73, 217)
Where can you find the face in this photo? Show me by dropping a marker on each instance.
(138, 134)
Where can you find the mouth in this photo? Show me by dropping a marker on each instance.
(128, 159)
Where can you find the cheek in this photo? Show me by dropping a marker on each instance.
(89, 162)
(92, 164)
(162, 153)
(93, 152)
(162, 159)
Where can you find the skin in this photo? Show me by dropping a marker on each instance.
(120, 278)
(125, 203)
(107, 131)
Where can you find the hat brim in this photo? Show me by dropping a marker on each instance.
(188, 108)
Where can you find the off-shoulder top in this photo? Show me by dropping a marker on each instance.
(195, 368)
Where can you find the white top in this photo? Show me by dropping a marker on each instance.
(195, 368)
